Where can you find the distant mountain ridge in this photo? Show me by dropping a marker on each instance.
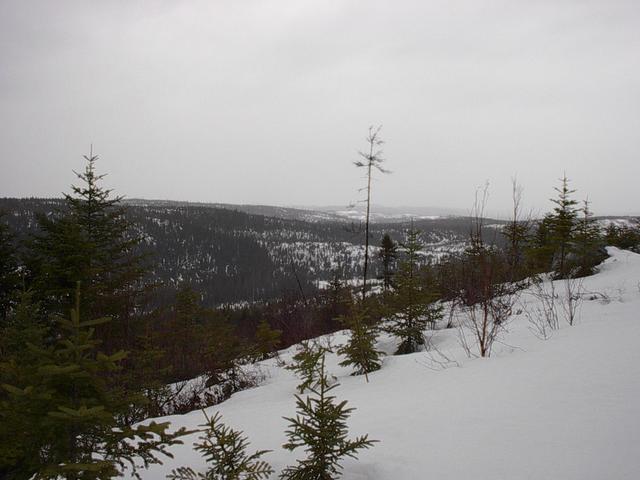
(381, 213)
(338, 213)
(289, 213)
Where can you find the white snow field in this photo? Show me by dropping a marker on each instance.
(563, 408)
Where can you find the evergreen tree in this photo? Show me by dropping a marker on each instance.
(22, 328)
(360, 351)
(388, 254)
(185, 325)
(562, 225)
(225, 353)
(75, 421)
(225, 450)
(20, 337)
(587, 244)
(267, 340)
(90, 242)
(305, 363)
(624, 236)
(540, 249)
(146, 374)
(336, 299)
(411, 303)
(320, 427)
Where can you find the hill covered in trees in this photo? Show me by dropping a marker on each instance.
(231, 256)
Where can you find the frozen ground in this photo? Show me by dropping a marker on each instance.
(563, 408)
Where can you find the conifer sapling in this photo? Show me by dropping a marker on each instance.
(224, 449)
(360, 351)
(320, 427)
(305, 364)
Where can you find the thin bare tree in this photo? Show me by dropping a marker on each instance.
(487, 301)
(372, 160)
(573, 291)
(516, 232)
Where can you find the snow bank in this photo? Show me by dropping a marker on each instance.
(563, 408)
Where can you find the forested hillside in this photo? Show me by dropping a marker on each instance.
(230, 256)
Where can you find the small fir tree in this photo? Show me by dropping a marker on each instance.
(388, 254)
(411, 303)
(90, 241)
(305, 364)
(225, 450)
(320, 427)
(76, 423)
(563, 222)
(587, 244)
(225, 355)
(336, 299)
(20, 337)
(185, 323)
(360, 350)
(22, 328)
(267, 340)
(540, 249)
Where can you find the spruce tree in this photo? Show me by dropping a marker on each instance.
(540, 250)
(20, 337)
(225, 451)
(336, 299)
(587, 242)
(305, 363)
(320, 427)
(388, 254)
(411, 303)
(75, 421)
(225, 353)
(563, 220)
(185, 325)
(360, 350)
(267, 340)
(90, 241)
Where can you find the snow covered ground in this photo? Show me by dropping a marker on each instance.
(563, 408)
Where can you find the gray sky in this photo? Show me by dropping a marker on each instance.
(249, 101)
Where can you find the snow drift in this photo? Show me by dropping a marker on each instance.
(563, 408)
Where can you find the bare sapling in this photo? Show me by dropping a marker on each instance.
(543, 314)
(572, 300)
(487, 301)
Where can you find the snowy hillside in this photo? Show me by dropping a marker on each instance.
(563, 408)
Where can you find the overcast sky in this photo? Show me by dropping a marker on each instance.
(247, 101)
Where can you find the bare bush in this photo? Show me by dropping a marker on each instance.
(550, 306)
(572, 300)
(543, 318)
(487, 301)
(485, 321)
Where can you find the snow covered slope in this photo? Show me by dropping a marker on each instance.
(563, 408)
